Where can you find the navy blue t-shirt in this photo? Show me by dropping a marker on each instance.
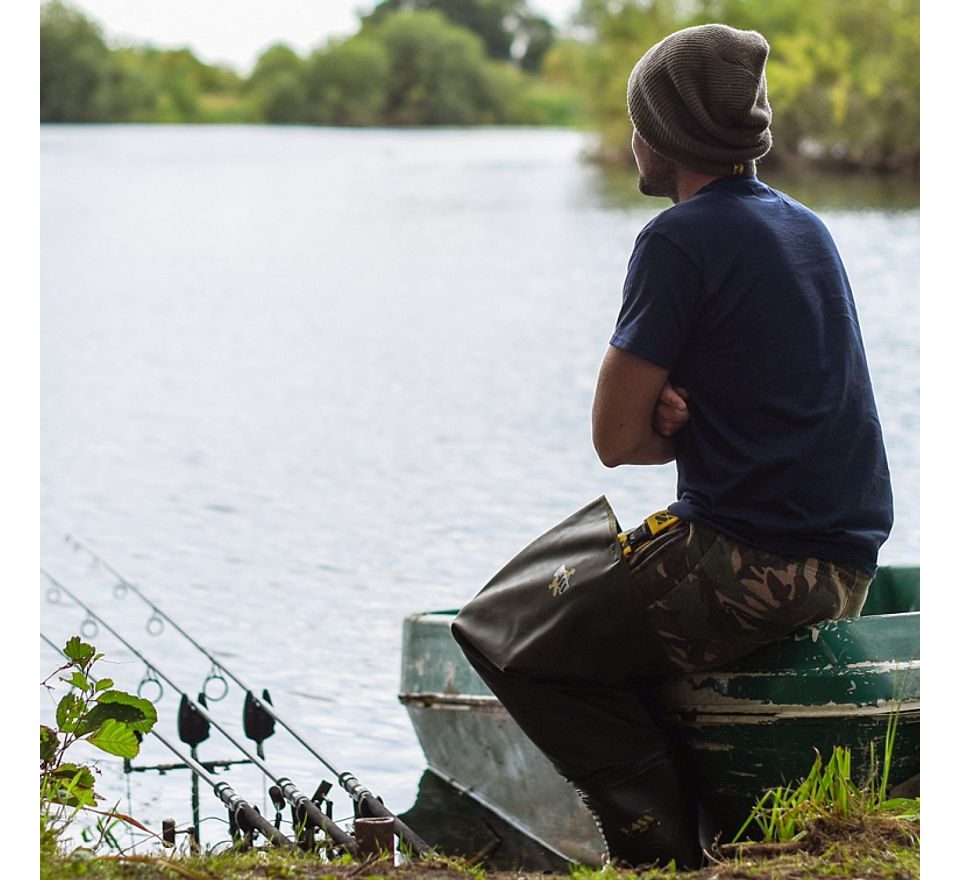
(740, 293)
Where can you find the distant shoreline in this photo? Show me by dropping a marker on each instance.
(777, 163)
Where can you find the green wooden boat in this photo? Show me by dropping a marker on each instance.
(746, 728)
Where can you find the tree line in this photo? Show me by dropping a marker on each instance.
(474, 63)
(843, 78)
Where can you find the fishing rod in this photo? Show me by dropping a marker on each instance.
(245, 816)
(299, 801)
(368, 804)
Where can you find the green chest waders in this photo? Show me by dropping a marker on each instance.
(554, 635)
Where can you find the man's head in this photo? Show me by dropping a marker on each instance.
(698, 99)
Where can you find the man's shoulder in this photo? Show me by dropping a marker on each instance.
(686, 225)
(727, 211)
(688, 217)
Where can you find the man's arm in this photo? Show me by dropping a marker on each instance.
(624, 405)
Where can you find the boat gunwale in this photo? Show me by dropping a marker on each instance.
(738, 711)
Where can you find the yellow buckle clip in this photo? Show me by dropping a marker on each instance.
(659, 521)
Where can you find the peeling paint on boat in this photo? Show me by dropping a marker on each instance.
(716, 747)
(885, 665)
(452, 702)
(743, 712)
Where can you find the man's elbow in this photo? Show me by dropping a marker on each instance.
(610, 456)
(614, 448)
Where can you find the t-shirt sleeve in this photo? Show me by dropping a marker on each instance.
(660, 298)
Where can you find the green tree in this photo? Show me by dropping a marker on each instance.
(165, 85)
(346, 82)
(179, 72)
(278, 83)
(438, 74)
(135, 87)
(556, 96)
(620, 32)
(510, 30)
(83, 80)
(74, 67)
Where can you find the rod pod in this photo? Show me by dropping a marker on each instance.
(237, 806)
(294, 796)
(367, 803)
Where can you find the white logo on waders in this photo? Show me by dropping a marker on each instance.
(561, 580)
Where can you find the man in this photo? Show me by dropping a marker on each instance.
(737, 352)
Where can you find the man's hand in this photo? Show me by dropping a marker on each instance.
(671, 413)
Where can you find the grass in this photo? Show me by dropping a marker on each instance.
(875, 845)
(871, 851)
(829, 792)
(826, 827)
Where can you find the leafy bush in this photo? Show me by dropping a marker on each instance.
(93, 712)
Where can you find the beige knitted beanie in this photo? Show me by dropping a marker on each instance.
(699, 98)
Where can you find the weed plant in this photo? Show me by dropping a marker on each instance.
(829, 791)
(93, 712)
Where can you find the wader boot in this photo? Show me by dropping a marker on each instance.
(645, 817)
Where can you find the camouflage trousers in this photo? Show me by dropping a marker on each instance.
(706, 601)
(709, 600)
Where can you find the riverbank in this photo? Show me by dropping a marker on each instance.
(876, 848)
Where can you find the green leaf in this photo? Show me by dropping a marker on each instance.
(136, 712)
(905, 806)
(116, 738)
(123, 817)
(78, 680)
(103, 684)
(78, 774)
(69, 711)
(79, 652)
(73, 796)
(69, 784)
(48, 744)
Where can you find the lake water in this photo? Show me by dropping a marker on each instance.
(298, 383)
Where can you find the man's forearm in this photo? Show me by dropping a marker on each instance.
(652, 449)
(657, 449)
(624, 409)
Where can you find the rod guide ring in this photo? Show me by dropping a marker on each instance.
(215, 676)
(155, 623)
(148, 679)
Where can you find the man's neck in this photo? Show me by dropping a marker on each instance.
(689, 183)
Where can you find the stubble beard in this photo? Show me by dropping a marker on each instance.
(659, 178)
